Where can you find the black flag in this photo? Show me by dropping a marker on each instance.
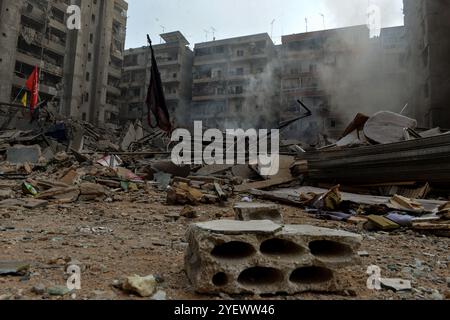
(156, 101)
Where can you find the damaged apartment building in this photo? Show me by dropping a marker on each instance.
(428, 25)
(80, 70)
(339, 72)
(235, 83)
(174, 58)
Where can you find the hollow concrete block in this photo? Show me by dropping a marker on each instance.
(256, 258)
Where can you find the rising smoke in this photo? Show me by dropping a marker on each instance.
(363, 74)
(354, 12)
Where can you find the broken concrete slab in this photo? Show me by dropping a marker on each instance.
(13, 268)
(276, 181)
(69, 194)
(6, 194)
(246, 211)
(226, 257)
(92, 191)
(387, 127)
(396, 284)
(143, 286)
(213, 169)
(237, 227)
(20, 154)
(70, 177)
(168, 166)
(182, 193)
(28, 203)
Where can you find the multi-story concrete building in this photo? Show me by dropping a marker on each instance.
(94, 68)
(390, 91)
(174, 58)
(317, 69)
(34, 34)
(80, 70)
(236, 84)
(428, 25)
(338, 73)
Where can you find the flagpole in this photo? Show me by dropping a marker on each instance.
(15, 99)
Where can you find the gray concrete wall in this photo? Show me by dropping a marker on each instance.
(428, 25)
(9, 31)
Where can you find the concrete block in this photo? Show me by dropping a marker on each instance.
(20, 154)
(247, 211)
(251, 257)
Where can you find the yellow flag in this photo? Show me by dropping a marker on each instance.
(25, 99)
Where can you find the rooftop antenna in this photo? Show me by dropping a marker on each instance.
(323, 19)
(206, 34)
(271, 28)
(306, 23)
(163, 31)
(214, 33)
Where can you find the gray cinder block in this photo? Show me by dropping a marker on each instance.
(247, 211)
(261, 257)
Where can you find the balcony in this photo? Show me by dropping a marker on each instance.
(172, 96)
(168, 79)
(47, 89)
(51, 42)
(58, 25)
(34, 61)
(61, 5)
(113, 90)
(116, 54)
(304, 92)
(211, 59)
(112, 108)
(54, 46)
(35, 14)
(205, 97)
(120, 18)
(115, 72)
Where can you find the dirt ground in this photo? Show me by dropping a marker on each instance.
(140, 234)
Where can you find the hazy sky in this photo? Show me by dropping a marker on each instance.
(232, 18)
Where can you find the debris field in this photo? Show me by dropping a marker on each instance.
(134, 225)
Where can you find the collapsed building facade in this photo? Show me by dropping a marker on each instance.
(80, 69)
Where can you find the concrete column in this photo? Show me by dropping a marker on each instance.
(10, 11)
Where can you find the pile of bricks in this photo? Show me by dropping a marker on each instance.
(263, 257)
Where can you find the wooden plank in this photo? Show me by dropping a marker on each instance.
(263, 184)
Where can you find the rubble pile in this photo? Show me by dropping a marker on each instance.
(384, 176)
